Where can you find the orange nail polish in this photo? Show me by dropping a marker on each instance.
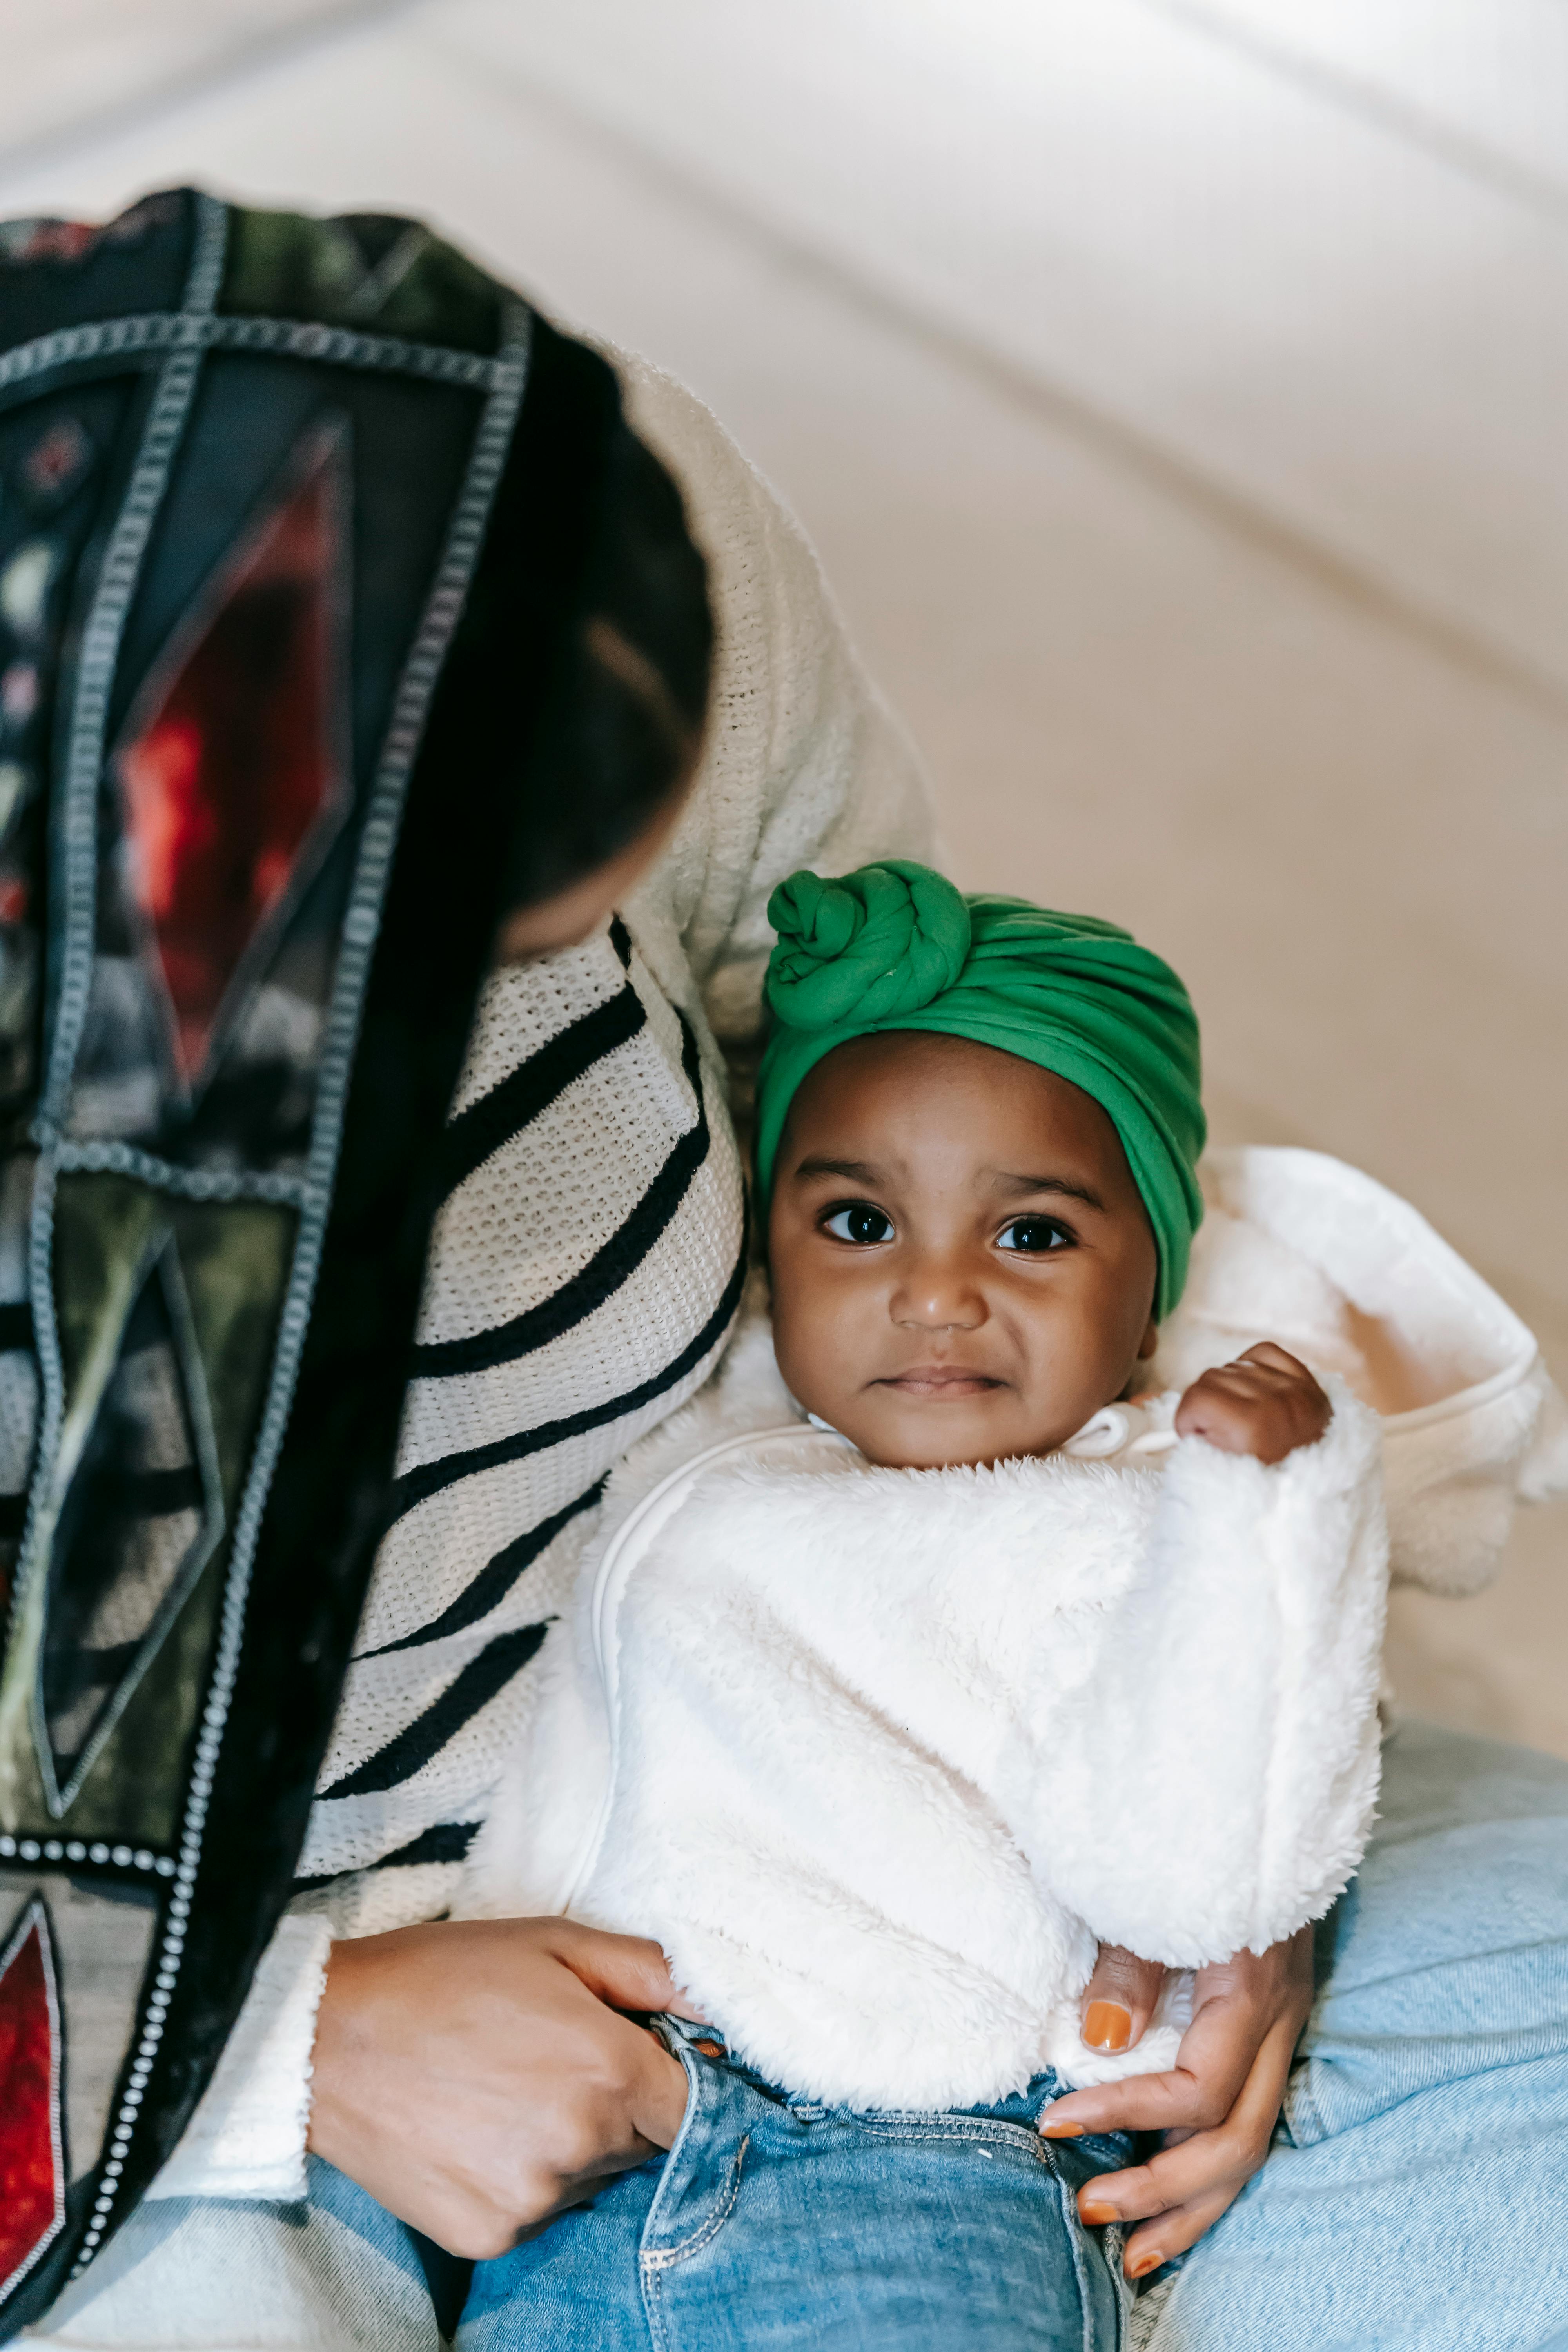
(1107, 2026)
(1091, 2211)
(1144, 2265)
(1049, 2130)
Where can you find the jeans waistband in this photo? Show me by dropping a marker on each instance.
(706, 2043)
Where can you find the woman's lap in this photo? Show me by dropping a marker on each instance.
(783, 2229)
(212, 2274)
(1418, 2201)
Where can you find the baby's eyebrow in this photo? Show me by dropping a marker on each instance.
(1007, 1183)
(853, 1171)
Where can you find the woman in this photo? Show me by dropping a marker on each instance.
(375, 656)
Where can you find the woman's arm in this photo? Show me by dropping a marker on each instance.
(246, 2138)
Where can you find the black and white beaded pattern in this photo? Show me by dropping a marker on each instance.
(96, 1850)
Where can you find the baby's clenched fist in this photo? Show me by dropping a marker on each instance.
(1265, 1403)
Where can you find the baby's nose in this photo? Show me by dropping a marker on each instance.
(938, 1301)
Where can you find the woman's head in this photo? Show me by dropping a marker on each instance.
(581, 669)
(414, 585)
(620, 734)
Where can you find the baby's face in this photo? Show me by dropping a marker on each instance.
(963, 1267)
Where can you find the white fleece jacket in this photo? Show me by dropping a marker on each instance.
(879, 1756)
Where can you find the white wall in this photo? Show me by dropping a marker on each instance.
(1174, 390)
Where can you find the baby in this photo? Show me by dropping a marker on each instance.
(880, 1720)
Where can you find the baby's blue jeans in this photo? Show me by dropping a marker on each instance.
(1416, 2200)
(777, 2226)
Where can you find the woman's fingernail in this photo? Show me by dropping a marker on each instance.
(1107, 2026)
(1092, 2210)
(1144, 2265)
(1050, 2130)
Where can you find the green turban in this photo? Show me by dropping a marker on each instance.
(896, 946)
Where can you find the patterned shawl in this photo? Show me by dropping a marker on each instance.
(285, 505)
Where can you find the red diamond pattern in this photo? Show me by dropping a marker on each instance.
(228, 770)
(32, 2164)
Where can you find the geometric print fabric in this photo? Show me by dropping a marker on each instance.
(32, 2153)
(139, 1521)
(233, 761)
(197, 844)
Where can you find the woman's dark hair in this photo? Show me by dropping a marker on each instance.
(583, 660)
(622, 730)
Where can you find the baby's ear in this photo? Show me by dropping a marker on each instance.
(1149, 1342)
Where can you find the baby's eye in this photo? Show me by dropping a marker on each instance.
(1033, 1235)
(859, 1222)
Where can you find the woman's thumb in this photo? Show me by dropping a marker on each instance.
(626, 1971)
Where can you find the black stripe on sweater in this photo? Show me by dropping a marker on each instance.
(477, 1133)
(493, 1583)
(417, 1486)
(425, 1738)
(444, 1842)
(615, 1263)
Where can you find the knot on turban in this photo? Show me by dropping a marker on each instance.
(896, 946)
(876, 943)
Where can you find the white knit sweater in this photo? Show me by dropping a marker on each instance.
(584, 1271)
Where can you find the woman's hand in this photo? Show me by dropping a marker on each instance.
(1216, 2108)
(476, 2077)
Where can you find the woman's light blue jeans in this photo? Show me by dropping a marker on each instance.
(788, 2227)
(1417, 2198)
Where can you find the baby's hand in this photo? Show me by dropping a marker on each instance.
(1265, 1403)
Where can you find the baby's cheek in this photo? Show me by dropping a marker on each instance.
(786, 1354)
(812, 1351)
